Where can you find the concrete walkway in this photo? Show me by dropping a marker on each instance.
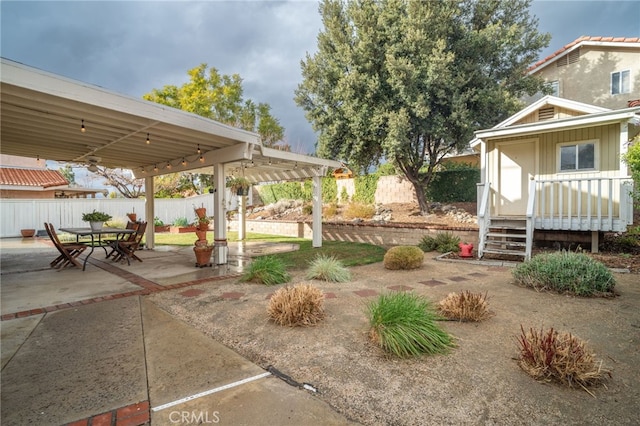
(86, 348)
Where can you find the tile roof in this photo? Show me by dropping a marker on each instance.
(31, 177)
(581, 40)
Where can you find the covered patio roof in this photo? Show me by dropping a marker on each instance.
(51, 117)
(43, 115)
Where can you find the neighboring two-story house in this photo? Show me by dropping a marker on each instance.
(601, 71)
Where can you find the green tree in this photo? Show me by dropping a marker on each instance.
(219, 97)
(68, 173)
(632, 158)
(409, 80)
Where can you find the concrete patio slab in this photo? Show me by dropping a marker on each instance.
(75, 363)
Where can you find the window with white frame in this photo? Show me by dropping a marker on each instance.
(554, 87)
(577, 156)
(620, 82)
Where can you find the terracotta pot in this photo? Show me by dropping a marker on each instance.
(202, 235)
(203, 256)
(201, 212)
(132, 216)
(27, 233)
(203, 226)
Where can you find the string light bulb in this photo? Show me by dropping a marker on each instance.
(199, 150)
(184, 162)
(82, 128)
(38, 159)
(148, 141)
(155, 168)
(143, 170)
(168, 165)
(201, 159)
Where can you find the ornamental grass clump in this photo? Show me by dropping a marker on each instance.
(404, 324)
(266, 270)
(443, 242)
(566, 272)
(328, 268)
(300, 305)
(465, 306)
(560, 357)
(403, 257)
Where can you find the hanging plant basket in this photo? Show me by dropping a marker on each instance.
(239, 185)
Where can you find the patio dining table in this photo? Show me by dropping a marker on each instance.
(84, 232)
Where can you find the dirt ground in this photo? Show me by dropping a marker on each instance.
(478, 382)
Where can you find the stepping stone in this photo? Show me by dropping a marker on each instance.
(330, 296)
(400, 287)
(192, 292)
(232, 295)
(457, 279)
(477, 274)
(431, 283)
(366, 293)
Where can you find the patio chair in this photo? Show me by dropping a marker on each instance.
(126, 249)
(125, 237)
(68, 251)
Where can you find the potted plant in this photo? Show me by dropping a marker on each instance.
(239, 185)
(96, 219)
(159, 225)
(202, 223)
(181, 225)
(200, 212)
(132, 216)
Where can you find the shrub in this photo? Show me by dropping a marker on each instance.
(458, 183)
(301, 304)
(330, 210)
(181, 221)
(359, 210)
(328, 268)
(365, 187)
(443, 242)
(565, 272)
(403, 257)
(307, 208)
(559, 357)
(403, 324)
(267, 270)
(465, 306)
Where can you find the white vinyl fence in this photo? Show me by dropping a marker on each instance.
(17, 214)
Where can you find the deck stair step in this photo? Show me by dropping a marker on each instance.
(505, 252)
(505, 235)
(514, 228)
(522, 244)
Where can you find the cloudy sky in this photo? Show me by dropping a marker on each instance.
(134, 46)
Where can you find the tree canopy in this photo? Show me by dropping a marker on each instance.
(219, 97)
(410, 81)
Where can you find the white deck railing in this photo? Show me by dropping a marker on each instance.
(586, 204)
(483, 215)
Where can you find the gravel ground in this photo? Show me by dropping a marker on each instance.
(478, 382)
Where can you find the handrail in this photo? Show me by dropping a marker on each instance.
(483, 217)
(531, 215)
(531, 201)
(484, 201)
